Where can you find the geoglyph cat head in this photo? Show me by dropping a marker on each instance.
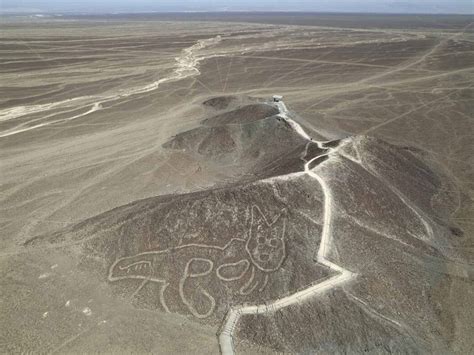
(266, 244)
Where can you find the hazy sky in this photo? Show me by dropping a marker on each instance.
(393, 6)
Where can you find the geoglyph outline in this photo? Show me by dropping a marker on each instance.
(251, 264)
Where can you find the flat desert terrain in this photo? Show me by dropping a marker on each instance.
(156, 199)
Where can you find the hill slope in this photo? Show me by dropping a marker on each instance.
(342, 246)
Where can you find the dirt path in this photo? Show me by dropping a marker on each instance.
(226, 335)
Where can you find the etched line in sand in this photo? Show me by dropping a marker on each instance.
(188, 275)
(225, 336)
(260, 255)
(429, 238)
(221, 269)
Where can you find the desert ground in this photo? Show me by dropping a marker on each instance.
(143, 158)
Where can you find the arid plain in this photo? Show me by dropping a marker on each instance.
(133, 145)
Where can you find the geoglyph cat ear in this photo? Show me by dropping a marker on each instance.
(257, 215)
(280, 218)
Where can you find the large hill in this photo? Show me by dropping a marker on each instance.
(155, 197)
(343, 246)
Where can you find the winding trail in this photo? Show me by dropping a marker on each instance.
(226, 335)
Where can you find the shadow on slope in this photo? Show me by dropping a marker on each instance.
(256, 240)
(250, 138)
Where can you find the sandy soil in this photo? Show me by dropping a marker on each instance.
(87, 104)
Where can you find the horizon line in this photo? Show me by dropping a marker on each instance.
(100, 13)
